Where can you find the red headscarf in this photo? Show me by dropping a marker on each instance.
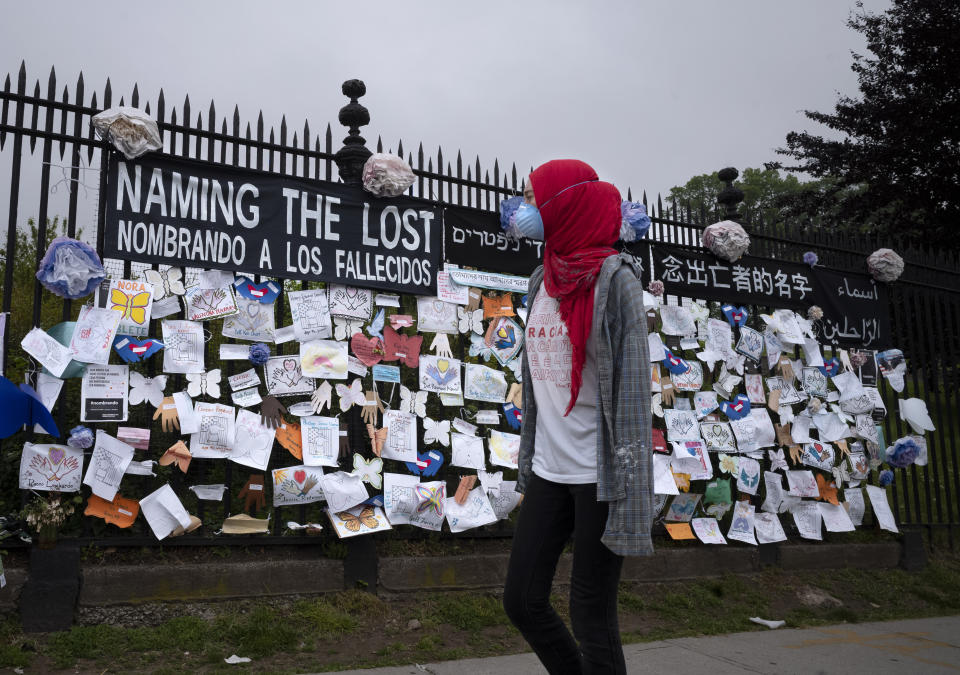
(581, 222)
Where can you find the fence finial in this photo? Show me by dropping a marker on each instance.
(354, 153)
(730, 196)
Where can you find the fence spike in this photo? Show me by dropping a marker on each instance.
(629, 195)
(644, 197)
(35, 116)
(3, 110)
(400, 148)
(379, 143)
(135, 96)
(63, 121)
(93, 104)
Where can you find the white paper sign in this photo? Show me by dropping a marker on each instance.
(183, 347)
(57, 468)
(107, 465)
(48, 389)
(164, 511)
(103, 393)
(254, 321)
(321, 440)
(214, 440)
(881, 508)
(246, 397)
(297, 485)
(252, 440)
(93, 335)
(311, 314)
(399, 497)
(343, 490)
(247, 378)
(47, 351)
(401, 443)
(467, 451)
(189, 420)
(475, 512)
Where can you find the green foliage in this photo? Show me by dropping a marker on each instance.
(468, 611)
(893, 160)
(764, 193)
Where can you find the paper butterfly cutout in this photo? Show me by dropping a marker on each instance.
(498, 305)
(431, 499)
(413, 401)
(828, 490)
(513, 415)
(674, 363)
(428, 463)
(736, 316)
(352, 395)
(841, 474)
(479, 347)
(377, 438)
(171, 281)
(406, 348)
(366, 517)
(21, 405)
(369, 471)
(375, 329)
(204, 383)
(147, 389)
(830, 368)
(132, 306)
(436, 432)
(178, 454)
(344, 328)
(263, 293)
(736, 409)
(729, 463)
(136, 349)
(470, 321)
(777, 460)
(398, 321)
(368, 350)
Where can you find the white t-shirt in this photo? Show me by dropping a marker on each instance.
(565, 447)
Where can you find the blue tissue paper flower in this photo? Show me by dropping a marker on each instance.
(635, 219)
(259, 353)
(886, 477)
(902, 453)
(810, 258)
(508, 212)
(81, 437)
(70, 268)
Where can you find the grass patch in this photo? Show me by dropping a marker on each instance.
(468, 611)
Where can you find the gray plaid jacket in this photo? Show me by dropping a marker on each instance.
(624, 460)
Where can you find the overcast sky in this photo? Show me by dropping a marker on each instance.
(650, 93)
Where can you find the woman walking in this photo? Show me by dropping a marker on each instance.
(585, 464)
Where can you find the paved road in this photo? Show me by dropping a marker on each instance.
(927, 646)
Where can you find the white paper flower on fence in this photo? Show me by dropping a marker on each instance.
(885, 265)
(132, 131)
(387, 175)
(727, 240)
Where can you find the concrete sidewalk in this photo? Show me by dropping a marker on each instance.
(914, 645)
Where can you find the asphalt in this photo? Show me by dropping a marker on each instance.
(927, 646)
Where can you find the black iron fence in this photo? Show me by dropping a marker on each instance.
(53, 159)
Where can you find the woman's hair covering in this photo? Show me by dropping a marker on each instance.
(581, 222)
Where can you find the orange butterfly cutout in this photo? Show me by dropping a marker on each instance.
(498, 305)
(365, 517)
(406, 348)
(377, 438)
(178, 454)
(828, 490)
(682, 480)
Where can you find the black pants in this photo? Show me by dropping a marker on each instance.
(549, 514)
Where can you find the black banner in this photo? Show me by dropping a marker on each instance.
(176, 211)
(855, 307)
(474, 239)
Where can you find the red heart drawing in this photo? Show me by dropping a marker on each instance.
(299, 476)
(368, 350)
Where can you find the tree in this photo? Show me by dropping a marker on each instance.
(764, 191)
(896, 166)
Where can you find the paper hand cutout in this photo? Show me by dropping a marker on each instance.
(475, 296)
(377, 438)
(271, 412)
(321, 397)
(441, 346)
(667, 390)
(178, 454)
(290, 436)
(371, 407)
(167, 412)
(786, 369)
(463, 489)
(796, 453)
(252, 492)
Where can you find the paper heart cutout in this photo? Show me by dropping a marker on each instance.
(674, 363)
(368, 350)
(136, 349)
(736, 316)
(427, 464)
(300, 476)
(264, 293)
(513, 415)
(830, 368)
(738, 408)
(56, 455)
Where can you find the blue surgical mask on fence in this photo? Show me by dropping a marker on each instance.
(528, 221)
